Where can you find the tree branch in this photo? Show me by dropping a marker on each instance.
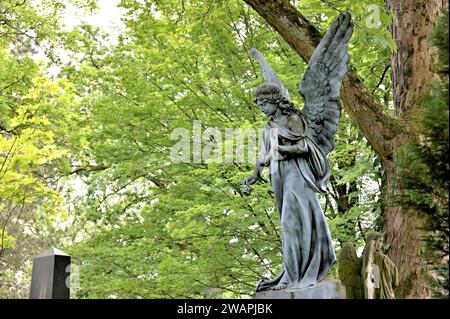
(382, 77)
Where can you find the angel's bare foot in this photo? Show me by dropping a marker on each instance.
(280, 286)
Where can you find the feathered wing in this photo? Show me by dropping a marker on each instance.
(349, 270)
(321, 82)
(268, 73)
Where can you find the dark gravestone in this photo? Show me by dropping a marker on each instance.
(49, 277)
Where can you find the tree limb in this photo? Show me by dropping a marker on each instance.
(382, 77)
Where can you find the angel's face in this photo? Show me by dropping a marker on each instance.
(379, 244)
(267, 106)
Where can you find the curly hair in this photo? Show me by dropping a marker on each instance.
(271, 92)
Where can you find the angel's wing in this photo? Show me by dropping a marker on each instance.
(349, 270)
(321, 83)
(268, 73)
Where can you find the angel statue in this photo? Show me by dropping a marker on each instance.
(350, 266)
(379, 274)
(295, 147)
(371, 276)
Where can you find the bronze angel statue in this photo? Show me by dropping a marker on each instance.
(295, 147)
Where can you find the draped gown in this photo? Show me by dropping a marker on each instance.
(296, 178)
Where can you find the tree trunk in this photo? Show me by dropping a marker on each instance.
(412, 74)
(411, 65)
(412, 62)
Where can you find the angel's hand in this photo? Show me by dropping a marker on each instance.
(292, 149)
(283, 149)
(245, 185)
(250, 180)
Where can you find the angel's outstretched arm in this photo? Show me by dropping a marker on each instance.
(259, 167)
(246, 183)
(262, 161)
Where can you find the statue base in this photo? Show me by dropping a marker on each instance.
(326, 289)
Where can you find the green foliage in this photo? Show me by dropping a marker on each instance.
(184, 62)
(36, 121)
(439, 38)
(98, 140)
(354, 186)
(423, 170)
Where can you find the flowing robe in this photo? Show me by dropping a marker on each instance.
(388, 280)
(296, 178)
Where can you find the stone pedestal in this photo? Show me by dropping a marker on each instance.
(326, 289)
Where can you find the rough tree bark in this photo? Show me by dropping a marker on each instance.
(412, 71)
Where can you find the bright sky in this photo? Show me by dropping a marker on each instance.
(107, 18)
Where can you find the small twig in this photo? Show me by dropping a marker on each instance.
(382, 77)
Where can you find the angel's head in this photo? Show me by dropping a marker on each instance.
(269, 98)
(348, 251)
(377, 239)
